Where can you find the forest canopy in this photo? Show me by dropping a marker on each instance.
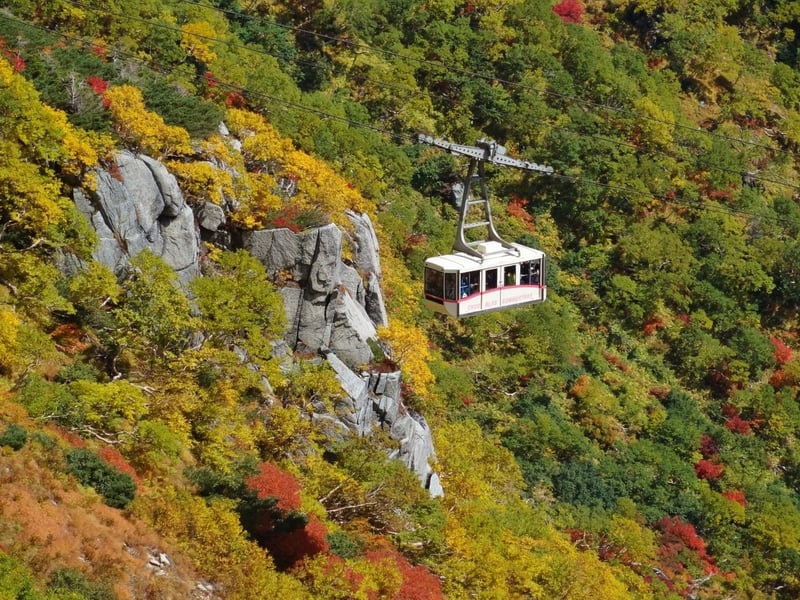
(635, 436)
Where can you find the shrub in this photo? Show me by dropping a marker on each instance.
(117, 489)
(14, 436)
(75, 584)
(344, 545)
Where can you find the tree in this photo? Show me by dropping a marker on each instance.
(141, 128)
(409, 349)
(154, 319)
(239, 305)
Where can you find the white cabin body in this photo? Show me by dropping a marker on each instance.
(462, 285)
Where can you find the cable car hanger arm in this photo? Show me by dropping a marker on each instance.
(486, 151)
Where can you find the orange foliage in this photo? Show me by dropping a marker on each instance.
(517, 207)
(782, 352)
(59, 526)
(68, 337)
(652, 325)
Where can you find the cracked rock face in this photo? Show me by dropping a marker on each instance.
(332, 311)
(327, 308)
(333, 307)
(137, 206)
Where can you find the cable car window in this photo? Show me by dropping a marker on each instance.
(535, 272)
(525, 273)
(491, 279)
(510, 276)
(470, 283)
(450, 286)
(434, 281)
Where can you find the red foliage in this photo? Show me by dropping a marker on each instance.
(113, 458)
(734, 422)
(98, 84)
(99, 50)
(708, 446)
(782, 352)
(274, 482)
(570, 11)
(418, 583)
(708, 469)
(652, 325)
(736, 496)
(517, 207)
(209, 79)
(18, 63)
(682, 555)
(675, 531)
(72, 439)
(235, 100)
(290, 547)
(683, 318)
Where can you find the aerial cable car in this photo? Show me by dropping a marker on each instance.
(490, 274)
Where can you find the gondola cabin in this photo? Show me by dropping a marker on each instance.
(462, 285)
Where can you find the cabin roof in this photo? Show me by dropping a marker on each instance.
(494, 255)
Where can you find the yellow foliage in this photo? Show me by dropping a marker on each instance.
(201, 181)
(266, 152)
(286, 432)
(488, 560)
(114, 406)
(211, 534)
(473, 467)
(136, 125)
(410, 350)
(196, 39)
(9, 322)
(657, 124)
(330, 485)
(332, 579)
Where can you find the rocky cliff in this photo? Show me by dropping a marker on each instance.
(333, 306)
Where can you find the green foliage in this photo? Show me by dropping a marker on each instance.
(117, 489)
(344, 545)
(669, 225)
(14, 436)
(238, 304)
(180, 108)
(73, 581)
(154, 316)
(16, 581)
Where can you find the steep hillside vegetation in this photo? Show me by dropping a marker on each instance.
(636, 436)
